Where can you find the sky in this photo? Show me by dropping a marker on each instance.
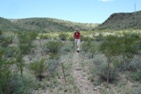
(83, 11)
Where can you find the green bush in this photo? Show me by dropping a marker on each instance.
(99, 37)
(5, 41)
(71, 38)
(63, 36)
(5, 73)
(102, 73)
(53, 46)
(136, 76)
(127, 46)
(45, 36)
(87, 45)
(53, 65)
(39, 67)
(86, 38)
(20, 85)
(25, 41)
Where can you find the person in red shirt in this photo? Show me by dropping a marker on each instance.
(77, 39)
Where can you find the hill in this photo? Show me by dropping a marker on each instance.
(7, 25)
(42, 24)
(118, 21)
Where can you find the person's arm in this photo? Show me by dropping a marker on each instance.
(74, 34)
(79, 35)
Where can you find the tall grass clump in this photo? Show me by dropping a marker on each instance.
(63, 36)
(53, 46)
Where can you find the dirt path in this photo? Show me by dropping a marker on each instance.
(81, 77)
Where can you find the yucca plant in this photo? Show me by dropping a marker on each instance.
(53, 46)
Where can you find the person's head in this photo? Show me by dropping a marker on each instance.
(77, 30)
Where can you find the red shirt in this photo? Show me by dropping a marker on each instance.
(77, 35)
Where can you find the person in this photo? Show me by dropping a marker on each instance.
(77, 39)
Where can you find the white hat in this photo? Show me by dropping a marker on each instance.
(77, 29)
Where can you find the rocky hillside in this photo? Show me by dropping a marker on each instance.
(118, 21)
(7, 25)
(42, 24)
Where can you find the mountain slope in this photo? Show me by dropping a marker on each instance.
(7, 25)
(120, 21)
(42, 24)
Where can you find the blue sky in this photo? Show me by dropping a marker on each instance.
(85, 11)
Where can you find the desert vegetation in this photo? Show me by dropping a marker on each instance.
(38, 63)
(38, 56)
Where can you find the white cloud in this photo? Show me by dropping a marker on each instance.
(106, 0)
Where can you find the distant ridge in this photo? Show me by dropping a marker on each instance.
(42, 24)
(119, 21)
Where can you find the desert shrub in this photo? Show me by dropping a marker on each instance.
(26, 37)
(71, 38)
(53, 46)
(102, 73)
(94, 49)
(135, 75)
(9, 51)
(45, 36)
(125, 45)
(63, 36)
(25, 41)
(137, 90)
(91, 48)
(32, 35)
(5, 41)
(94, 67)
(19, 61)
(99, 37)
(25, 48)
(5, 77)
(5, 73)
(54, 56)
(86, 46)
(135, 64)
(39, 67)
(86, 38)
(132, 66)
(68, 47)
(53, 65)
(20, 85)
(99, 59)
